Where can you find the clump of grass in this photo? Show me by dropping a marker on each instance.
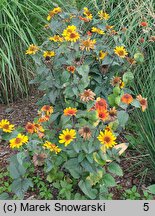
(21, 24)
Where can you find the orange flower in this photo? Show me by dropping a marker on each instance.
(127, 99)
(30, 128)
(71, 69)
(89, 33)
(44, 118)
(84, 19)
(48, 109)
(143, 24)
(101, 104)
(102, 115)
(143, 102)
(70, 111)
(141, 40)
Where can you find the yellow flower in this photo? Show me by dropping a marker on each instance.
(97, 30)
(6, 126)
(52, 147)
(56, 38)
(87, 13)
(70, 111)
(107, 138)
(67, 136)
(120, 51)
(73, 36)
(18, 141)
(32, 50)
(68, 30)
(103, 15)
(53, 12)
(102, 55)
(70, 34)
(87, 44)
(49, 54)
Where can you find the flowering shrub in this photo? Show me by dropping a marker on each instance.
(83, 68)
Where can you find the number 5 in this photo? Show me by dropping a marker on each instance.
(146, 207)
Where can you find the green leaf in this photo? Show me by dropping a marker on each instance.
(87, 189)
(116, 90)
(98, 159)
(95, 178)
(65, 76)
(20, 186)
(136, 103)
(4, 196)
(15, 168)
(109, 180)
(88, 166)
(151, 189)
(115, 169)
(122, 118)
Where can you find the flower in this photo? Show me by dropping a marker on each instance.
(102, 55)
(32, 49)
(6, 126)
(122, 84)
(102, 115)
(87, 13)
(67, 136)
(115, 81)
(89, 33)
(120, 51)
(112, 114)
(87, 95)
(46, 26)
(107, 138)
(127, 99)
(70, 111)
(56, 38)
(152, 39)
(141, 40)
(49, 54)
(43, 118)
(85, 132)
(87, 44)
(108, 27)
(18, 141)
(47, 109)
(70, 34)
(143, 102)
(52, 147)
(84, 19)
(71, 69)
(30, 128)
(97, 30)
(103, 15)
(101, 104)
(130, 60)
(68, 30)
(144, 24)
(73, 36)
(39, 130)
(53, 12)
